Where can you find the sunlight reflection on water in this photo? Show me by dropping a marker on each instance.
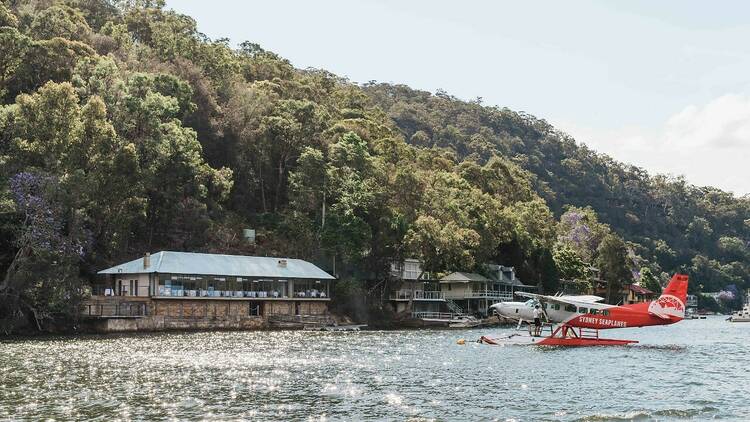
(689, 370)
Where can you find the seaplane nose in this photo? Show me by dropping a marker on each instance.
(502, 309)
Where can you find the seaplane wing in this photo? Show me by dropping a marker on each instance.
(566, 300)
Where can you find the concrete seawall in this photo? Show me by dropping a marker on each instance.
(162, 323)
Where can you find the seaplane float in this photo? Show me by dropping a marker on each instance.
(577, 320)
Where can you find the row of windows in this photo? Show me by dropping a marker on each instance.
(573, 308)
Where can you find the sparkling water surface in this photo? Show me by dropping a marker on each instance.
(696, 369)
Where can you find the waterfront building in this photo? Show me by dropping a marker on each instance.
(454, 295)
(633, 293)
(473, 293)
(418, 294)
(198, 290)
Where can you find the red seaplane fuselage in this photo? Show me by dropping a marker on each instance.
(579, 318)
(667, 309)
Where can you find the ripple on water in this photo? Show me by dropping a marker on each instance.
(683, 371)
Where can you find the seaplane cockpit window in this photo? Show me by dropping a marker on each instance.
(570, 308)
(531, 303)
(605, 312)
(583, 310)
(593, 311)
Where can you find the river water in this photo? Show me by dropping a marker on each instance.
(695, 369)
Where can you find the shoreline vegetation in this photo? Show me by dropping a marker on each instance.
(124, 130)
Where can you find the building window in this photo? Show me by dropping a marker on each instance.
(255, 309)
(310, 289)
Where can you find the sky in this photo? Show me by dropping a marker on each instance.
(663, 85)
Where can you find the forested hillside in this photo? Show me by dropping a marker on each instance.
(672, 224)
(124, 130)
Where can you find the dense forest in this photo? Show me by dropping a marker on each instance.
(123, 129)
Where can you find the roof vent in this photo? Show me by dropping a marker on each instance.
(282, 263)
(146, 261)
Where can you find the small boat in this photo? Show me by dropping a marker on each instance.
(741, 316)
(464, 322)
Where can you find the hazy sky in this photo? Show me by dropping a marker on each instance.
(664, 85)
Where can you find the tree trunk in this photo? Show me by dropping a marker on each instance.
(12, 268)
(279, 183)
(263, 194)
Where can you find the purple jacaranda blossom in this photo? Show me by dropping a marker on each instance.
(44, 220)
(726, 296)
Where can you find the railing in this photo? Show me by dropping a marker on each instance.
(417, 295)
(427, 295)
(409, 274)
(434, 315)
(495, 294)
(121, 309)
(272, 294)
(474, 294)
(453, 306)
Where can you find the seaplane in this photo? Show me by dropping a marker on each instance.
(576, 320)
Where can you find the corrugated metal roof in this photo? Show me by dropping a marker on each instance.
(226, 265)
(459, 277)
(516, 282)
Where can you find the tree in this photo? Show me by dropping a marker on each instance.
(14, 46)
(290, 126)
(442, 246)
(698, 231)
(60, 21)
(613, 265)
(42, 278)
(580, 230)
(7, 18)
(734, 248)
(570, 266)
(144, 133)
(649, 280)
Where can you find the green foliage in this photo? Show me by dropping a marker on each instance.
(699, 231)
(60, 21)
(7, 18)
(14, 46)
(160, 138)
(570, 266)
(671, 220)
(734, 248)
(442, 245)
(581, 231)
(613, 266)
(650, 281)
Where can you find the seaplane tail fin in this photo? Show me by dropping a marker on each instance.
(671, 304)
